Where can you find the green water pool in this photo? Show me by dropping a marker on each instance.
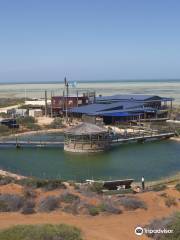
(153, 160)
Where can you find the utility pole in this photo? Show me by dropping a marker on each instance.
(46, 103)
(77, 98)
(67, 93)
(51, 104)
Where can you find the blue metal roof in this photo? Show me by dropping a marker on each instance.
(97, 107)
(132, 97)
(120, 114)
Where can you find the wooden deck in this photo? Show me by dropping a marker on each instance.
(116, 141)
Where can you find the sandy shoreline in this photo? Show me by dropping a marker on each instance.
(9, 174)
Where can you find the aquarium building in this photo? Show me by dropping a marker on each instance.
(126, 108)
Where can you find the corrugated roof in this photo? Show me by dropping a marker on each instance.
(86, 129)
(97, 107)
(134, 97)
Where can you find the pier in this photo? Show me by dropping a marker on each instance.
(114, 141)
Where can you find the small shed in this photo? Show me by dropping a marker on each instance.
(35, 113)
(86, 137)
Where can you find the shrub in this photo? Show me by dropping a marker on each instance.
(46, 184)
(28, 192)
(33, 126)
(72, 208)
(93, 210)
(177, 187)
(131, 203)
(48, 204)
(41, 232)
(158, 188)
(53, 184)
(28, 207)
(57, 123)
(10, 203)
(172, 222)
(69, 198)
(158, 224)
(96, 187)
(25, 120)
(6, 180)
(4, 130)
(109, 208)
(170, 201)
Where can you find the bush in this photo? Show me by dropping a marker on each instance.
(72, 208)
(93, 210)
(109, 208)
(170, 201)
(46, 184)
(69, 198)
(4, 130)
(28, 192)
(41, 232)
(177, 187)
(158, 188)
(6, 180)
(131, 203)
(33, 126)
(172, 222)
(25, 120)
(158, 224)
(28, 207)
(48, 204)
(57, 123)
(10, 203)
(96, 187)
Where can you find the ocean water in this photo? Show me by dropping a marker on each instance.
(166, 88)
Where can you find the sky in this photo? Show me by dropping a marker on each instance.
(45, 40)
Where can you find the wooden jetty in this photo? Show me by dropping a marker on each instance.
(19, 144)
(145, 137)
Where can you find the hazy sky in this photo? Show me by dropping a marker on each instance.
(44, 40)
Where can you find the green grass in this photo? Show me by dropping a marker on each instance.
(41, 232)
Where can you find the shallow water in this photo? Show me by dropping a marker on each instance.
(153, 160)
(166, 88)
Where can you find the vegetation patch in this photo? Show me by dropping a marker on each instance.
(41, 232)
(172, 223)
(4, 180)
(170, 201)
(28, 207)
(69, 198)
(29, 192)
(131, 203)
(46, 184)
(160, 187)
(109, 207)
(4, 130)
(96, 187)
(11, 202)
(48, 204)
(177, 187)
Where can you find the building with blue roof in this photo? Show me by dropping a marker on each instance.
(126, 108)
